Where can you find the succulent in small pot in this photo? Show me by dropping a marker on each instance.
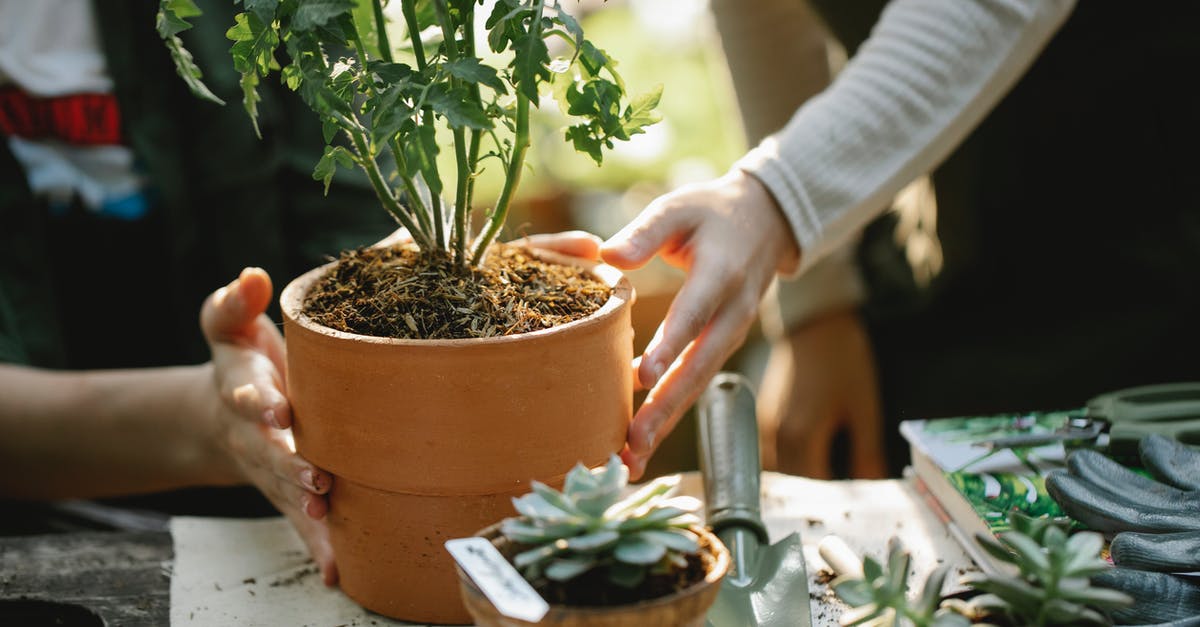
(600, 559)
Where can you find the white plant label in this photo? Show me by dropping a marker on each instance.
(499, 581)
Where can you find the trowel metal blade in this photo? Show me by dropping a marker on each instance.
(776, 595)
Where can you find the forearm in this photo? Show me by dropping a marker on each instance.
(104, 433)
(930, 72)
(758, 42)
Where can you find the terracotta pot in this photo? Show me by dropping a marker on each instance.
(686, 608)
(429, 439)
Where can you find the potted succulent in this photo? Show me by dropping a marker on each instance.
(599, 559)
(435, 377)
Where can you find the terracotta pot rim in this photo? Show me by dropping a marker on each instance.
(291, 301)
(712, 577)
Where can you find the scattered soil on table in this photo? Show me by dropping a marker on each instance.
(401, 292)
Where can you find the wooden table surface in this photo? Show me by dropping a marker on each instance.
(125, 577)
(121, 577)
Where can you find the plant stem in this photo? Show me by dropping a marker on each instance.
(414, 33)
(419, 207)
(476, 134)
(516, 162)
(385, 49)
(513, 177)
(409, 8)
(367, 162)
(462, 173)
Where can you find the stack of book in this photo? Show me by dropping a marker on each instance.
(972, 486)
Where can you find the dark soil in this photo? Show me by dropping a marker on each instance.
(401, 292)
(592, 589)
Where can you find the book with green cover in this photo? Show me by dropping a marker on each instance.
(977, 486)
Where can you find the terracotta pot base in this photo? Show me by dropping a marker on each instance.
(389, 548)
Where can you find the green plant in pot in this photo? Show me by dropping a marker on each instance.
(436, 376)
(600, 558)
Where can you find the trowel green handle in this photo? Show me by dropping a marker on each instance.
(729, 457)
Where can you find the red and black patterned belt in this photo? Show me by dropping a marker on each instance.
(80, 119)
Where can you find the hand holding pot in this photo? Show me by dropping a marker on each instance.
(731, 237)
(250, 417)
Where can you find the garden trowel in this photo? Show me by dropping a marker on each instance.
(767, 584)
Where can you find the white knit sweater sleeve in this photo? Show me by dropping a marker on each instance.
(927, 75)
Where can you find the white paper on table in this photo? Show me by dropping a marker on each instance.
(253, 573)
(256, 573)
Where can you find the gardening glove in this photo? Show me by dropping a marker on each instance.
(251, 418)
(820, 379)
(731, 238)
(1157, 523)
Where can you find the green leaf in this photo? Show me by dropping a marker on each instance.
(641, 113)
(564, 569)
(593, 542)
(642, 496)
(680, 540)
(391, 72)
(658, 517)
(533, 556)
(421, 153)
(172, 17)
(1083, 548)
(1016, 592)
(578, 478)
(457, 106)
(291, 76)
(1081, 591)
(469, 69)
(1061, 612)
(188, 70)
(250, 100)
(854, 592)
(626, 575)
(527, 532)
(1031, 558)
(311, 14)
(530, 65)
(931, 595)
(253, 54)
(264, 9)
(254, 44)
(872, 569)
(995, 549)
(636, 550)
(327, 166)
(572, 26)
(536, 507)
(583, 141)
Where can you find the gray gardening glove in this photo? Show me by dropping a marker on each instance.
(1157, 524)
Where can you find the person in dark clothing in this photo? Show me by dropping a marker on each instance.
(124, 200)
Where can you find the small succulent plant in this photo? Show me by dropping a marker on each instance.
(1053, 586)
(589, 526)
(880, 597)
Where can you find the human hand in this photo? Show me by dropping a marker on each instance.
(251, 418)
(731, 238)
(819, 379)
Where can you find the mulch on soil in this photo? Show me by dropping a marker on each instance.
(402, 292)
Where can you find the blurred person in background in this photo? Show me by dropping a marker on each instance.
(124, 200)
(1061, 261)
